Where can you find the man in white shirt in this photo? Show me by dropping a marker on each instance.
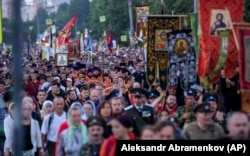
(51, 124)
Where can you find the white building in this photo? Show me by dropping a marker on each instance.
(28, 12)
(29, 8)
(7, 9)
(52, 5)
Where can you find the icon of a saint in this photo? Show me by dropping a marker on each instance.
(161, 42)
(62, 61)
(218, 24)
(181, 49)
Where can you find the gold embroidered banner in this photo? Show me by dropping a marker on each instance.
(157, 47)
(142, 12)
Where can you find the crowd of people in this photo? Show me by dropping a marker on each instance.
(84, 108)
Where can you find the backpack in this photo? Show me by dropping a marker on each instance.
(51, 117)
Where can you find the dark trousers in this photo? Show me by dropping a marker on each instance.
(51, 146)
(2, 140)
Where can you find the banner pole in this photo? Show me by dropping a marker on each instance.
(196, 6)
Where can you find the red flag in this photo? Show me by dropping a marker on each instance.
(110, 41)
(64, 34)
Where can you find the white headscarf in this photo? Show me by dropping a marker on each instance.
(85, 117)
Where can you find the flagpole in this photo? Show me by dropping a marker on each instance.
(196, 6)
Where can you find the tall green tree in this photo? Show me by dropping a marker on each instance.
(115, 14)
(247, 11)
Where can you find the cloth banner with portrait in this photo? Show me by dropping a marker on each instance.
(243, 37)
(142, 12)
(157, 47)
(224, 41)
(182, 62)
(74, 49)
(216, 14)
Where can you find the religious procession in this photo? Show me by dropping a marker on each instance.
(182, 77)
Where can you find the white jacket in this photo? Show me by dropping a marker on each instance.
(9, 129)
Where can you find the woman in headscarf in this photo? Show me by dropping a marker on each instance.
(46, 109)
(72, 138)
(88, 110)
(123, 128)
(65, 124)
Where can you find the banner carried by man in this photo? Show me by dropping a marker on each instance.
(64, 34)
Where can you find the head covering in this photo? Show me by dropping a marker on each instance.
(197, 88)
(190, 92)
(202, 108)
(105, 75)
(172, 119)
(138, 92)
(96, 120)
(75, 68)
(125, 120)
(123, 64)
(33, 65)
(69, 79)
(84, 116)
(57, 78)
(77, 103)
(90, 70)
(70, 65)
(72, 128)
(211, 98)
(95, 69)
(80, 66)
(153, 94)
(45, 103)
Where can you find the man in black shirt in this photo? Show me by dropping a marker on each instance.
(55, 91)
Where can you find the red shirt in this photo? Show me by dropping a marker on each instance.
(171, 112)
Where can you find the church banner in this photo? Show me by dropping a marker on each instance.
(213, 15)
(224, 43)
(244, 64)
(142, 12)
(182, 63)
(74, 49)
(157, 47)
